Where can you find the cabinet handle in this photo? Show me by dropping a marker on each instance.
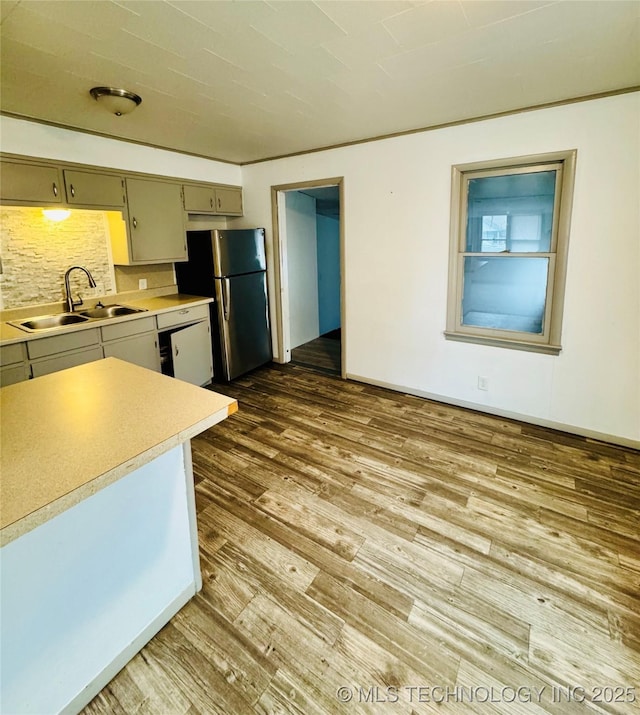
(177, 351)
(73, 191)
(219, 203)
(134, 222)
(211, 202)
(55, 189)
(184, 311)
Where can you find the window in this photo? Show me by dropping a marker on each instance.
(508, 254)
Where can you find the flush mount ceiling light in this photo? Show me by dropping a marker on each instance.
(116, 101)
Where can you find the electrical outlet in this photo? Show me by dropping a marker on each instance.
(483, 383)
(142, 284)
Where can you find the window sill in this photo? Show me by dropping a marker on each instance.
(504, 343)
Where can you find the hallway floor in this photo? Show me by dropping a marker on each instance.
(321, 354)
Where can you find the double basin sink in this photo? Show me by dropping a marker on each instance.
(61, 320)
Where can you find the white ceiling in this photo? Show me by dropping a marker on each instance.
(244, 81)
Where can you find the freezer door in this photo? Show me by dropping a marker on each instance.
(243, 320)
(238, 251)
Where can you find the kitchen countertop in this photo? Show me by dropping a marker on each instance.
(70, 433)
(152, 306)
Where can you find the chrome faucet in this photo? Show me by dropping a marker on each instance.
(69, 302)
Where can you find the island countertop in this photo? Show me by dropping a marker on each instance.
(68, 434)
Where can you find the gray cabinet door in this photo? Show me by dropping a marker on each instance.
(213, 200)
(12, 374)
(199, 199)
(62, 362)
(191, 354)
(140, 350)
(156, 221)
(229, 202)
(29, 182)
(87, 188)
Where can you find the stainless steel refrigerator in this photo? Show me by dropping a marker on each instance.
(231, 267)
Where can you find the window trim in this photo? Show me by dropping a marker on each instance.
(550, 340)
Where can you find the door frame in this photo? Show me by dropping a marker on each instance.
(280, 256)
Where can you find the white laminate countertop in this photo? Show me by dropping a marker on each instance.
(68, 434)
(152, 306)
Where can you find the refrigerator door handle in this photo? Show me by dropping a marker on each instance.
(225, 298)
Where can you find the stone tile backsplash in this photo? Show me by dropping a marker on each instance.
(36, 252)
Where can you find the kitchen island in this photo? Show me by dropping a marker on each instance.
(98, 530)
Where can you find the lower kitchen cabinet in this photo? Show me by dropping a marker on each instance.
(135, 341)
(65, 360)
(62, 351)
(186, 353)
(176, 342)
(13, 365)
(140, 349)
(12, 374)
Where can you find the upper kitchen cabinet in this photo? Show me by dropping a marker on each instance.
(209, 199)
(86, 188)
(156, 227)
(31, 184)
(229, 201)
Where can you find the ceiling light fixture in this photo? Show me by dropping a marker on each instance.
(116, 101)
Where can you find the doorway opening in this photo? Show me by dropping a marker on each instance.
(308, 240)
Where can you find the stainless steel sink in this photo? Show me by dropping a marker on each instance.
(61, 320)
(47, 322)
(110, 311)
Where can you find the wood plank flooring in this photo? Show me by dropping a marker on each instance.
(365, 551)
(322, 354)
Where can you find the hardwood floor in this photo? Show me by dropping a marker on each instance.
(322, 354)
(365, 551)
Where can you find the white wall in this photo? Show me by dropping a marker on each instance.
(396, 224)
(41, 140)
(302, 267)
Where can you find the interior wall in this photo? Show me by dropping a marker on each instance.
(302, 267)
(328, 232)
(47, 142)
(396, 226)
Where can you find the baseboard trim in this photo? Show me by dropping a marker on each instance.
(562, 427)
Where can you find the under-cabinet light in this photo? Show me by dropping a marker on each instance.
(57, 214)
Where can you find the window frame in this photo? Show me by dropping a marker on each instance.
(549, 341)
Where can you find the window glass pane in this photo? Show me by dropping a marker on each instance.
(505, 293)
(512, 212)
(494, 233)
